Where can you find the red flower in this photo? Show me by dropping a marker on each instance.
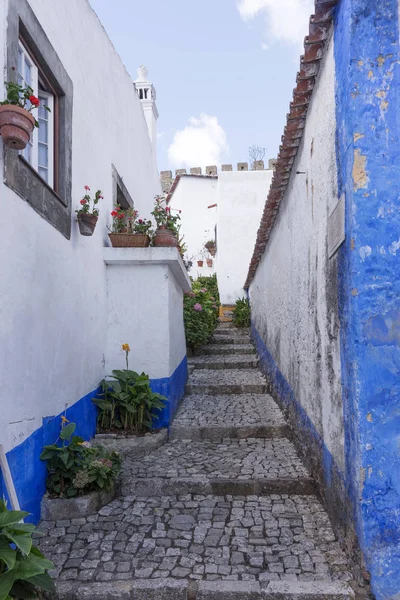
(83, 201)
(121, 215)
(87, 188)
(140, 221)
(114, 213)
(33, 100)
(180, 212)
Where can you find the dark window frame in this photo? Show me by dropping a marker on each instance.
(54, 205)
(120, 192)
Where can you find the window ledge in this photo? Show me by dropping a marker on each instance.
(148, 257)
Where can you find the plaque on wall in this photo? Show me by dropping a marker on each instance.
(336, 231)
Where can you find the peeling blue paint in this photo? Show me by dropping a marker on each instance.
(367, 63)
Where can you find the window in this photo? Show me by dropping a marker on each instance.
(40, 151)
(42, 173)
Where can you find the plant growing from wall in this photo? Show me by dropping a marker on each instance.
(75, 467)
(200, 314)
(211, 247)
(127, 403)
(241, 313)
(23, 568)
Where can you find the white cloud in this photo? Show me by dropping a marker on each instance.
(285, 20)
(202, 142)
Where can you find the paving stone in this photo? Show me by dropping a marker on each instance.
(224, 517)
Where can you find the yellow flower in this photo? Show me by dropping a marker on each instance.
(64, 419)
(125, 348)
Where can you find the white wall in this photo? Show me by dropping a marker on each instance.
(241, 200)
(53, 306)
(294, 295)
(193, 195)
(145, 297)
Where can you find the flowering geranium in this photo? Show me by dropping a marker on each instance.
(163, 215)
(123, 219)
(142, 226)
(22, 96)
(85, 203)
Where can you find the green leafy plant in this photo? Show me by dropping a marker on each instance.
(22, 96)
(123, 219)
(127, 403)
(23, 568)
(164, 216)
(85, 203)
(200, 314)
(211, 284)
(75, 467)
(241, 313)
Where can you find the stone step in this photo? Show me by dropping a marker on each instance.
(232, 331)
(233, 466)
(221, 361)
(227, 381)
(213, 547)
(204, 417)
(220, 589)
(230, 339)
(212, 349)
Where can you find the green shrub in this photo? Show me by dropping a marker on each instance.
(76, 468)
(211, 284)
(241, 313)
(23, 568)
(127, 403)
(200, 313)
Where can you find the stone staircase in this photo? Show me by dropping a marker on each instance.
(225, 511)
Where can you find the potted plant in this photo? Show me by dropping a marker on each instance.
(209, 262)
(127, 230)
(200, 262)
(167, 224)
(87, 218)
(128, 410)
(16, 120)
(23, 568)
(211, 247)
(80, 476)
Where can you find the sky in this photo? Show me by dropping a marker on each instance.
(224, 71)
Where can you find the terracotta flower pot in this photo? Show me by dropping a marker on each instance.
(16, 126)
(165, 237)
(212, 249)
(200, 263)
(129, 240)
(209, 262)
(87, 223)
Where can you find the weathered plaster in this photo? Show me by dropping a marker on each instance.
(368, 31)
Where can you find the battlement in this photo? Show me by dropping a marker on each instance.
(166, 177)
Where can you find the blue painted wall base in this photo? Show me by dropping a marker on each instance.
(173, 388)
(311, 446)
(28, 471)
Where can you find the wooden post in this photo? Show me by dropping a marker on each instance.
(8, 479)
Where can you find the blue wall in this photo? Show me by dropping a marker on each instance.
(28, 471)
(368, 127)
(173, 388)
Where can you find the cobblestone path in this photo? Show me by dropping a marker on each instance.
(225, 510)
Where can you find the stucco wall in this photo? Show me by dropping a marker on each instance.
(241, 199)
(192, 196)
(53, 290)
(294, 293)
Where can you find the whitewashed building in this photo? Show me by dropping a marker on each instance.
(225, 206)
(68, 302)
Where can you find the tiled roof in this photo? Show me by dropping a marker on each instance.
(320, 24)
(178, 178)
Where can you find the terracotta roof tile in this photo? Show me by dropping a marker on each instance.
(314, 43)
